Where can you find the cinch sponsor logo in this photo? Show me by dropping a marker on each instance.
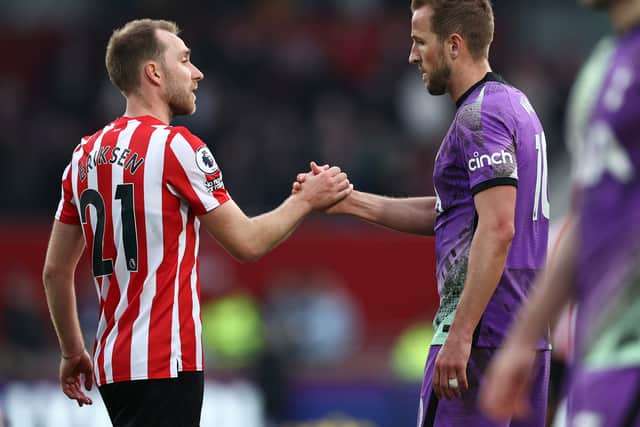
(479, 161)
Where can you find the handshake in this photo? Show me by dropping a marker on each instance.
(323, 187)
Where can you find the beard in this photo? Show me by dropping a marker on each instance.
(439, 79)
(179, 99)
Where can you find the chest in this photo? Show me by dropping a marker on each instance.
(450, 178)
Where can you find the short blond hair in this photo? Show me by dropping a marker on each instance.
(130, 46)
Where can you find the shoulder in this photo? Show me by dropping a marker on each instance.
(188, 148)
(494, 102)
(183, 136)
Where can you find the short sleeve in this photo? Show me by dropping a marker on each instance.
(193, 173)
(67, 211)
(489, 143)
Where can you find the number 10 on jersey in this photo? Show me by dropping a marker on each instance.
(541, 179)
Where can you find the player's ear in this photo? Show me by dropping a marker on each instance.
(453, 45)
(152, 72)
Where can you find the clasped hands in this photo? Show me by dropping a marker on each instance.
(322, 187)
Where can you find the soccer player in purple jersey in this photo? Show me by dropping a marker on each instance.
(489, 215)
(598, 258)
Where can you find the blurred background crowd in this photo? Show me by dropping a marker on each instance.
(335, 324)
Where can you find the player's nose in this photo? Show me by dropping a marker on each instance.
(197, 74)
(414, 58)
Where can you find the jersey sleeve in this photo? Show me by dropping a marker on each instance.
(489, 143)
(67, 211)
(192, 173)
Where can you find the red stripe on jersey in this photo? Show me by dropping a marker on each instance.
(105, 188)
(122, 349)
(185, 299)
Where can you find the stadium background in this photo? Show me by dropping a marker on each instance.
(332, 326)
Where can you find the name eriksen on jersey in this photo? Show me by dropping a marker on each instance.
(118, 156)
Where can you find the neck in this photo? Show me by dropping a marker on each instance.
(137, 105)
(466, 76)
(624, 15)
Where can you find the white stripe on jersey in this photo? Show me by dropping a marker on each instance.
(153, 173)
(184, 153)
(61, 204)
(195, 308)
(176, 342)
(120, 263)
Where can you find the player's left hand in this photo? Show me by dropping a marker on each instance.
(451, 364)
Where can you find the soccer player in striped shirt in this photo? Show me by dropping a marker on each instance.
(597, 261)
(489, 215)
(135, 194)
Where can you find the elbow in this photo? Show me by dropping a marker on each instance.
(504, 232)
(247, 258)
(52, 275)
(499, 232)
(247, 254)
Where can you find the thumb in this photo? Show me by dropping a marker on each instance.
(88, 380)
(318, 169)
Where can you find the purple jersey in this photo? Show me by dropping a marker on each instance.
(495, 139)
(606, 138)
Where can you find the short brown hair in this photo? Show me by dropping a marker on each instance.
(130, 46)
(472, 19)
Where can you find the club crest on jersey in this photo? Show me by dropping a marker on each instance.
(205, 161)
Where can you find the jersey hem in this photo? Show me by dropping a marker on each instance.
(146, 377)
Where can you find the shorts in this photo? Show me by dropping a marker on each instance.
(465, 412)
(604, 398)
(170, 402)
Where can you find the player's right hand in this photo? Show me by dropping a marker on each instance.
(301, 177)
(316, 170)
(505, 391)
(71, 371)
(323, 186)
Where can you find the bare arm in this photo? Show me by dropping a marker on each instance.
(487, 258)
(248, 239)
(64, 251)
(505, 392)
(488, 255)
(415, 215)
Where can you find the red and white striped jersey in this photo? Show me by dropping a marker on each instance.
(137, 186)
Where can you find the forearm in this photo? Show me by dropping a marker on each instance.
(551, 292)
(61, 299)
(65, 247)
(415, 215)
(487, 258)
(272, 228)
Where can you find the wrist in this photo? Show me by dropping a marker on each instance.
(71, 355)
(345, 206)
(461, 331)
(301, 203)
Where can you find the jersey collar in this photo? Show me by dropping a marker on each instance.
(489, 77)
